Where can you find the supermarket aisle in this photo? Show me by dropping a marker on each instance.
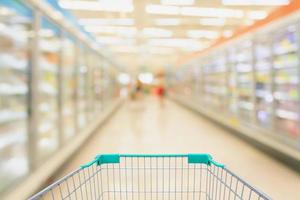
(146, 128)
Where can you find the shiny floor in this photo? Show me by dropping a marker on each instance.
(146, 127)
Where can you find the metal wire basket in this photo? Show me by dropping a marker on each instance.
(151, 177)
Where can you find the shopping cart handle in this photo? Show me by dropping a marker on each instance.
(203, 159)
(115, 158)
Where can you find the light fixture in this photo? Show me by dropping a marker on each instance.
(257, 14)
(194, 11)
(119, 30)
(146, 78)
(162, 9)
(177, 2)
(115, 40)
(161, 50)
(256, 2)
(157, 32)
(107, 22)
(101, 5)
(185, 44)
(125, 49)
(212, 12)
(203, 34)
(212, 21)
(167, 22)
(124, 78)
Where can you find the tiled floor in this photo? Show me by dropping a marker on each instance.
(145, 127)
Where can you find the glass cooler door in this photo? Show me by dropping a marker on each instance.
(15, 28)
(50, 49)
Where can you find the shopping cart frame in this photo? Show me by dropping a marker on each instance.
(219, 180)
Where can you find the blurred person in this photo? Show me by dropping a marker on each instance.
(161, 92)
(137, 90)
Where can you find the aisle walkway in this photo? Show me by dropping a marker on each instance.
(146, 128)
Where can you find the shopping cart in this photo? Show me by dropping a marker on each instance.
(153, 177)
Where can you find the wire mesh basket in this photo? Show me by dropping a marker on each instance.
(151, 177)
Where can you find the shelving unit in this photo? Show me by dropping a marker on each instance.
(97, 80)
(82, 88)
(14, 65)
(215, 81)
(50, 49)
(43, 92)
(243, 65)
(286, 78)
(232, 82)
(263, 84)
(90, 89)
(68, 69)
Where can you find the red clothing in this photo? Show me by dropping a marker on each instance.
(160, 91)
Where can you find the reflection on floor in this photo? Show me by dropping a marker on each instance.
(146, 127)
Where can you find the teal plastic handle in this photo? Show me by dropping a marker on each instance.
(115, 158)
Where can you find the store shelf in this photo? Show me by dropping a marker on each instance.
(14, 66)
(286, 94)
(215, 81)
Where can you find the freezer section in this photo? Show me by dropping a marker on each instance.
(68, 87)
(15, 28)
(50, 47)
(255, 80)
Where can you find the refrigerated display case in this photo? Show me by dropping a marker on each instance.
(243, 66)
(215, 81)
(97, 86)
(68, 78)
(82, 89)
(263, 80)
(15, 28)
(286, 78)
(232, 82)
(42, 88)
(91, 62)
(49, 63)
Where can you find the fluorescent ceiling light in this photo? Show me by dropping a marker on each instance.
(162, 9)
(177, 2)
(107, 22)
(167, 22)
(212, 12)
(124, 78)
(161, 50)
(122, 31)
(125, 49)
(157, 32)
(256, 2)
(115, 40)
(186, 44)
(257, 14)
(213, 21)
(194, 11)
(101, 5)
(146, 78)
(203, 34)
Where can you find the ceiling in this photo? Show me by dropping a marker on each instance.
(150, 34)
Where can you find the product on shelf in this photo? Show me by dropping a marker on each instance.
(14, 65)
(82, 88)
(50, 45)
(286, 80)
(242, 63)
(68, 71)
(215, 81)
(263, 80)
